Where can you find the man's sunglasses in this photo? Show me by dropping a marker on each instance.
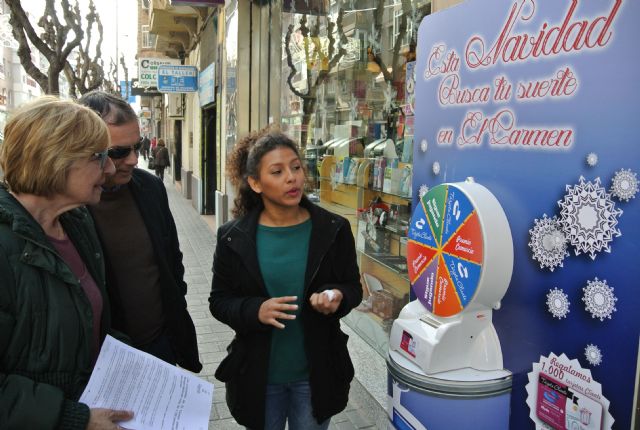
(118, 152)
(101, 157)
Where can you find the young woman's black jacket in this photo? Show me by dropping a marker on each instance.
(238, 291)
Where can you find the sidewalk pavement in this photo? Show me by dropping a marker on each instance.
(197, 242)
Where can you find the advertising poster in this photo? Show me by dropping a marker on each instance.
(148, 70)
(538, 102)
(563, 395)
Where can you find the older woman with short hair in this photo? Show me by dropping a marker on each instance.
(53, 306)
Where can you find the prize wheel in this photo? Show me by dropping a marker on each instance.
(459, 250)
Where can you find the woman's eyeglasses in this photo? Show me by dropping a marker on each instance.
(101, 157)
(118, 152)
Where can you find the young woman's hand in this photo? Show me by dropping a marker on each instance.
(326, 302)
(276, 308)
(107, 419)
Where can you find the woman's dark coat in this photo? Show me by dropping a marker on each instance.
(238, 291)
(162, 157)
(46, 320)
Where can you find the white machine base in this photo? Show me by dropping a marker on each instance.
(437, 344)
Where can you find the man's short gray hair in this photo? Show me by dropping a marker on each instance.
(112, 109)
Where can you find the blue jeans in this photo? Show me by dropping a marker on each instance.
(290, 402)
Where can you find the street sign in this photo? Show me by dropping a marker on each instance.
(126, 91)
(148, 67)
(207, 85)
(177, 79)
(138, 90)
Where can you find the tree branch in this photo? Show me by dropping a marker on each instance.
(55, 44)
(292, 66)
(20, 22)
(74, 23)
(24, 52)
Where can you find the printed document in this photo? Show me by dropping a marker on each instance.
(160, 395)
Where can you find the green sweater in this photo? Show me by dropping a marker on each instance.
(282, 253)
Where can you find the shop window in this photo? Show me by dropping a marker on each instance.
(343, 99)
(405, 37)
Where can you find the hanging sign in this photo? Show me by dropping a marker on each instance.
(207, 85)
(148, 67)
(177, 79)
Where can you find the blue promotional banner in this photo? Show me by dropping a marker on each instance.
(207, 85)
(537, 101)
(126, 91)
(177, 79)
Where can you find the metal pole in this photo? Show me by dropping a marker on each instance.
(117, 53)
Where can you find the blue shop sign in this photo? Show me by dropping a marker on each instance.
(207, 85)
(177, 79)
(126, 91)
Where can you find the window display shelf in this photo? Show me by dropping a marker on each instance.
(371, 328)
(395, 263)
(399, 196)
(380, 241)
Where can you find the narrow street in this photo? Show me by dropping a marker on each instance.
(197, 242)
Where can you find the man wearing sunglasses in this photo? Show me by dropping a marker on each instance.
(145, 274)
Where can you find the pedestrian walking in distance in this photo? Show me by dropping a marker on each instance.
(284, 273)
(146, 144)
(161, 159)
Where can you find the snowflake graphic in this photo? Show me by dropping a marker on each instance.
(424, 145)
(592, 159)
(374, 38)
(548, 243)
(436, 168)
(353, 108)
(558, 303)
(599, 299)
(589, 217)
(593, 354)
(423, 190)
(624, 185)
(321, 104)
(389, 97)
(413, 28)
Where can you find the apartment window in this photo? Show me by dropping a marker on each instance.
(397, 18)
(148, 39)
(145, 4)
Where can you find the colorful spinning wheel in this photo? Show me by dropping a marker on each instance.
(445, 250)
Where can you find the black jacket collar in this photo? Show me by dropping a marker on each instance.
(242, 238)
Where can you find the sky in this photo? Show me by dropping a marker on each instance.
(120, 23)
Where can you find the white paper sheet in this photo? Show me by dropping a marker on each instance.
(161, 396)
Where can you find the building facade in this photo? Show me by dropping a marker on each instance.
(337, 77)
